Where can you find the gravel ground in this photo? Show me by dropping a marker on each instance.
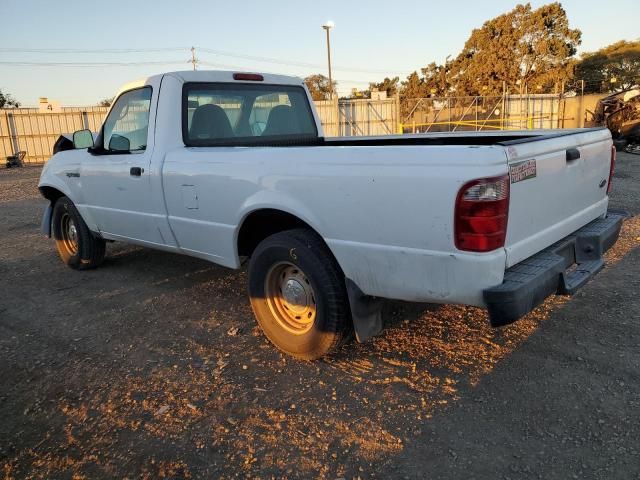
(152, 367)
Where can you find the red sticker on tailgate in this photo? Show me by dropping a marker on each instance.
(524, 170)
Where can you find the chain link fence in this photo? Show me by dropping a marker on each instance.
(451, 114)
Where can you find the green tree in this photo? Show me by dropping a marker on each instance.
(318, 86)
(414, 87)
(106, 102)
(619, 62)
(389, 85)
(436, 79)
(7, 100)
(525, 48)
(433, 80)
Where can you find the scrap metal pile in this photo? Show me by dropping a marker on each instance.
(620, 113)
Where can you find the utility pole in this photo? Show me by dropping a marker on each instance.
(328, 26)
(194, 61)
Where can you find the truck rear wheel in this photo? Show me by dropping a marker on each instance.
(298, 294)
(77, 246)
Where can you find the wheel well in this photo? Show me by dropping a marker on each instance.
(51, 194)
(262, 224)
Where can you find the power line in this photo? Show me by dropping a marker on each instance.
(88, 64)
(84, 50)
(223, 53)
(286, 62)
(194, 61)
(135, 64)
(238, 67)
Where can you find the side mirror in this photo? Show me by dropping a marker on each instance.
(82, 139)
(119, 143)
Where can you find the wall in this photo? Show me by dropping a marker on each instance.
(578, 110)
(34, 132)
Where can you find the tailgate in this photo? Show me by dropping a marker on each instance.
(558, 184)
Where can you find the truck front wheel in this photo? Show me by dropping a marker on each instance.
(298, 294)
(76, 245)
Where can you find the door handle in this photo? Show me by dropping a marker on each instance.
(136, 171)
(573, 154)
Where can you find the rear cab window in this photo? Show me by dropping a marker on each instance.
(236, 114)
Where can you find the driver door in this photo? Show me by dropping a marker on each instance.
(116, 178)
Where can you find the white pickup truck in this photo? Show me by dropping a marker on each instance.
(232, 166)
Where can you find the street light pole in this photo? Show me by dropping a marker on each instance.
(328, 26)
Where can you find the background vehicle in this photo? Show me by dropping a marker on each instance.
(228, 166)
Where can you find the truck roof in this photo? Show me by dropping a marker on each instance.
(215, 76)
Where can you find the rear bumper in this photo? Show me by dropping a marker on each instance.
(561, 268)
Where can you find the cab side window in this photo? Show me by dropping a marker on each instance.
(127, 125)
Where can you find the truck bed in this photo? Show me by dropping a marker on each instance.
(504, 138)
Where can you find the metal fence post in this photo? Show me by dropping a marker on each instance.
(475, 99)
(85, 120)
(397, 115)
(13, 134)
(4, 151)
(504, 98)
(340, 125)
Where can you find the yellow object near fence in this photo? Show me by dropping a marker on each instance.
(504, 124)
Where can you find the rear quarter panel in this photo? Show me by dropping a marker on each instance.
(385, 212)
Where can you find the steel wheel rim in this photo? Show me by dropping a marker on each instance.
(290, 298)
(69, 234)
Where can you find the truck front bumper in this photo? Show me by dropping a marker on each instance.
(562, 268)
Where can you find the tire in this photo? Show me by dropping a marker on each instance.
(77, 246)
(298, 294)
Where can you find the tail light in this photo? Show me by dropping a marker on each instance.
(481, 213)
(252, 77)
(612, 167)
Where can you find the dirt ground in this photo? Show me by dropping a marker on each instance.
(152, 367)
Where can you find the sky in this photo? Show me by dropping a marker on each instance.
(370, 39)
